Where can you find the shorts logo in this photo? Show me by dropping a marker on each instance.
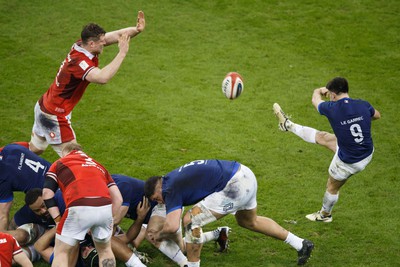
(228, 206)
(52, 135)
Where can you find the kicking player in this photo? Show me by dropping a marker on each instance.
(216, 188)
(351, 142)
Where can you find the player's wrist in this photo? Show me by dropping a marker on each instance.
(57, 218)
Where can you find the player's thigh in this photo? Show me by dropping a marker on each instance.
(103, 227)
(340, 170)
(239, 194)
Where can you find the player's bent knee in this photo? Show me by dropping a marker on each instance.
(37, 144)
(193, 236)
(200, 215)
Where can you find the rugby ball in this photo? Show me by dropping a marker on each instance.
(232, 85)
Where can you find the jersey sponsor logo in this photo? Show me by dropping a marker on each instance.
(83, 65)
(228, 206)
(3, 240)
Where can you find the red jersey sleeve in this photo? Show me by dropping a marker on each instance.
(16, 247)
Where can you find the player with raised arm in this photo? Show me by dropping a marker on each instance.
(216, 188)
(52, 124)
(351, 142)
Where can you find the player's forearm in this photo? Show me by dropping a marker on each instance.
(133, 231)
(112, 37)
(3, 223)
(317, 97)
(22, 260)
(110, 70)
(4, 214)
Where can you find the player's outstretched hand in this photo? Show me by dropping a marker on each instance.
(123, 43)
(141, 22)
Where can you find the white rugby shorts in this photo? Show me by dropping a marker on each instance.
(159, 210)
(56, 130)
(80, 219)
(240, 193)
(341, 171)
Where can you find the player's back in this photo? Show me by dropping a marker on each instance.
(22, 168)
(82, 180)
(132, 191)
(198, 179)
(351, 122)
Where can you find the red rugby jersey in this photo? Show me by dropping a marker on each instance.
(82, 180)
(70, 83)
(8, 248)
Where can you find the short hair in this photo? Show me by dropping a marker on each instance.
(150, 185)
(32, 195)
(91, 31)
(70, 147)
(338, 85)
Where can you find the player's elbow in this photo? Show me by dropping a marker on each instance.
(101, 81)
(47, 193)
(377, 115)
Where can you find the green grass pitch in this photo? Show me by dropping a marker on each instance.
(165, 107)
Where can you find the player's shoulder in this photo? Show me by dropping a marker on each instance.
(14, 149)
(6, 237)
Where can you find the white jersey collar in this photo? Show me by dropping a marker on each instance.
(80, 49)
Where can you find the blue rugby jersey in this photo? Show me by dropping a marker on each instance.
(20, 170)
(132, 191)
(351, 122)
(195, 180)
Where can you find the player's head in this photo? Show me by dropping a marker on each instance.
(71, 146)
(153, 190)
(93, 38)
(338, 85)
(34, 200)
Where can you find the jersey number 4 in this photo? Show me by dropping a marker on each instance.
(34, 165)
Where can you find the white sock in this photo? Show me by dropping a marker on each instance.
(295, 241)
(194, 264)
(172, 251)
(329, 201)
(134, 261)
(209, 236)
(304, 132)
